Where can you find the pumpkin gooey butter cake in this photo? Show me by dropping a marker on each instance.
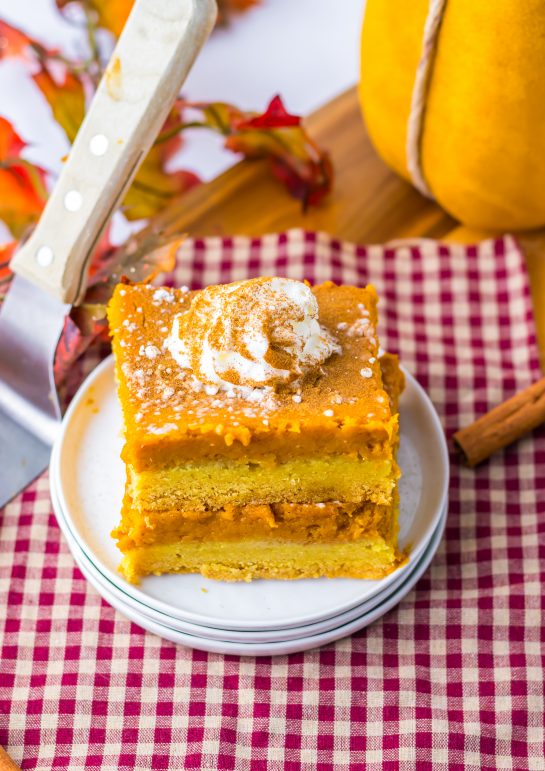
(261, 431)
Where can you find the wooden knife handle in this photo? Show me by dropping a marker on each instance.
(150, 62)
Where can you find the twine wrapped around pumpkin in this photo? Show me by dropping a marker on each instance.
(418, 99)
(453, 96)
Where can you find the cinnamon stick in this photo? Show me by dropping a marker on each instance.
(503, 425)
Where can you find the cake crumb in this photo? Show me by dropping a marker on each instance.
(163, 295)
(149, 351)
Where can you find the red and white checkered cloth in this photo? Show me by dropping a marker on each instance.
(450, 679)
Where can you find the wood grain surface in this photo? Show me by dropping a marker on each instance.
(369, 203)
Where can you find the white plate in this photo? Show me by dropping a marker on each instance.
(280, 647)
(88, 477)
(110, 590)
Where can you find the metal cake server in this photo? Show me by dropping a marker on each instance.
(151, 60)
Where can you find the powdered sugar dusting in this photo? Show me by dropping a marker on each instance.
(150, 351)
(163, 295)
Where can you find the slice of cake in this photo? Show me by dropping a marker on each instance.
(260, 437)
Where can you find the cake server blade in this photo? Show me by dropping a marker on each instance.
(30, 326)
(148, 66)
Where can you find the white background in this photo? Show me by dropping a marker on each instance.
(305, 50)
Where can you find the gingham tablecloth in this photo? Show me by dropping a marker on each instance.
(450, 679)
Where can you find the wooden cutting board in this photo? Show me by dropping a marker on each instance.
(369, 203)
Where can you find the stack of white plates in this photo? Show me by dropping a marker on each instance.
(261, 618)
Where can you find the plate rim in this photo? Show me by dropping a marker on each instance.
(282, 648)
(243, 624)
(117, 591)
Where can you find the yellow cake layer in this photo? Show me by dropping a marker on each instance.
(216, 484)
(226, 561)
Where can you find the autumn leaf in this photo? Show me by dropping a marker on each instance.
(16, 44)
(6, 253)
(22, 185)
(61, 86)
(66, 97)
(11, 143)
(13, 42)
(142, 258)
(110, 14)
(275, 116)
(72, 344)
(228, 8)
(145, 255)
(154, 186)
(295, 158)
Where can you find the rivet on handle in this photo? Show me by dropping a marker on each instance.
(73, 200)
(98, 144)
(45, 256)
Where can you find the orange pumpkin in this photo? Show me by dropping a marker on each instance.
(482, 133)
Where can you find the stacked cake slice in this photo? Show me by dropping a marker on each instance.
(261, 431)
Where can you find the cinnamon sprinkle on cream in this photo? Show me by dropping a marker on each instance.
(260, 334)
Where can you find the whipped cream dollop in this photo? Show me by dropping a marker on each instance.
(259, 333)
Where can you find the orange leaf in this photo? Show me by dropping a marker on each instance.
(11, 143)
(62, 89)
(295, 158)
(154, 187)
(228, 7)
(22, 185)
(66, 99)
(13, 42)
(111, 14)
(142, 258)
(6, 253)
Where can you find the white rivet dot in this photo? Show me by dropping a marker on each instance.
(44, 256)
(73, 200)
(98, 144)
